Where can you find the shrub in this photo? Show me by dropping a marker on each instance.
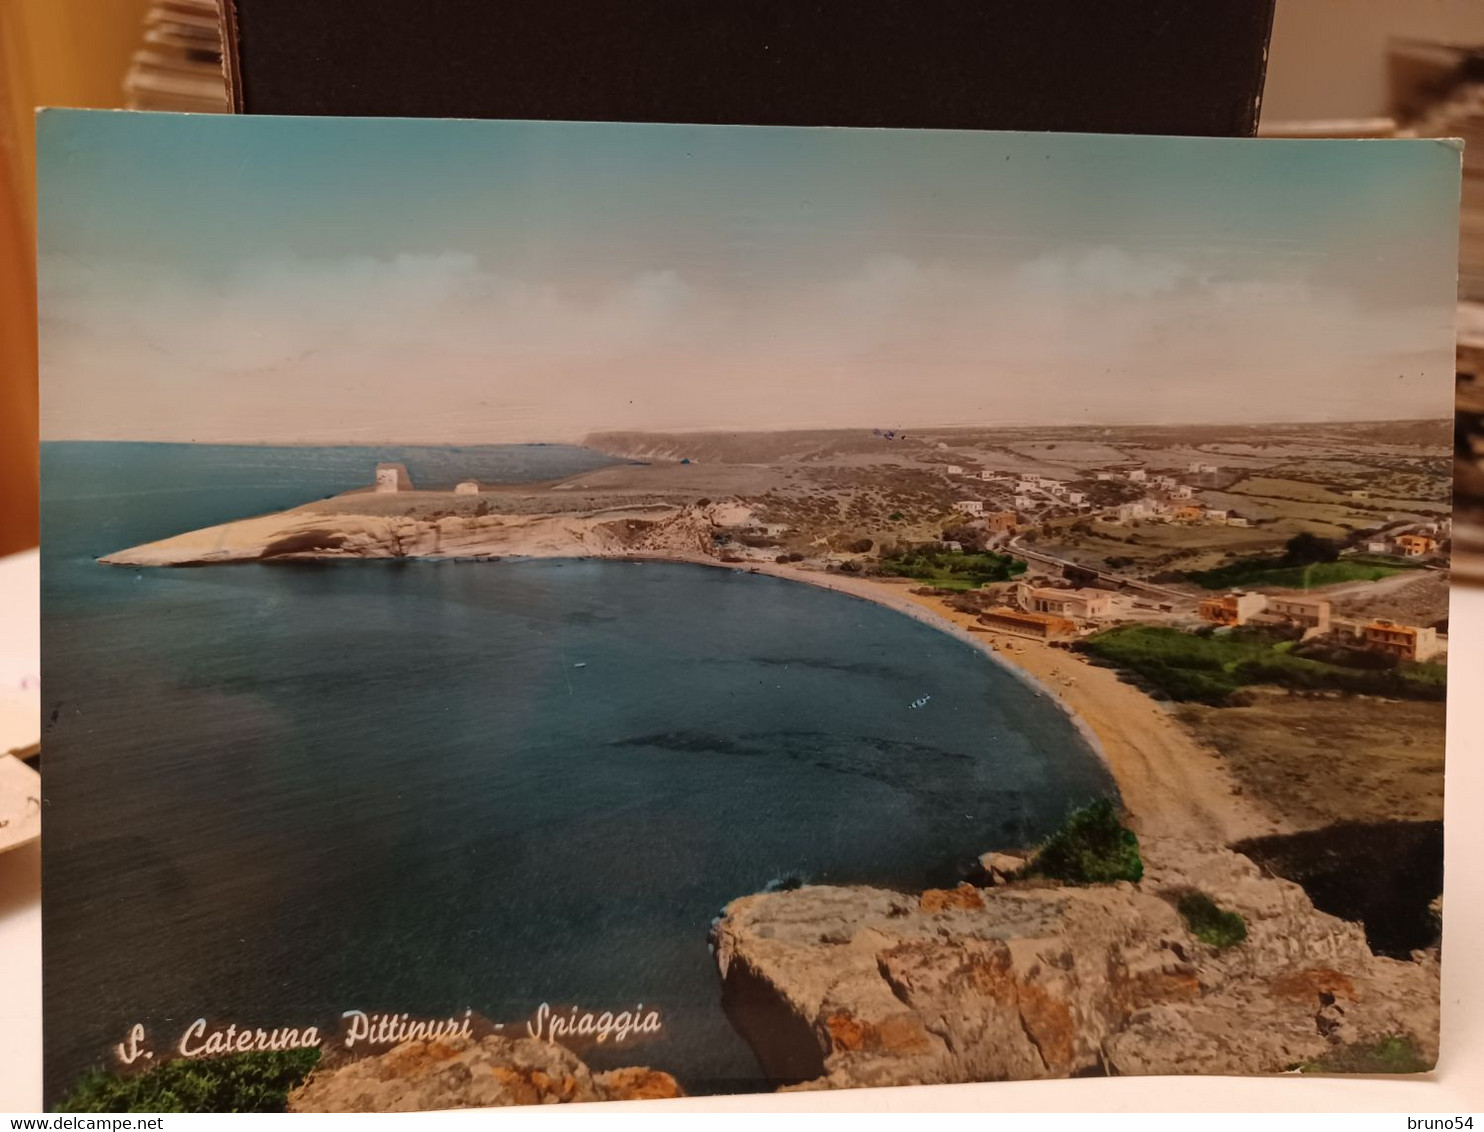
(861, 546)
(241, 1082)
(1210, 924)
(1093, 846)
(1388, 1055)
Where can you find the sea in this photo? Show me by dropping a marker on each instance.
(277, 793)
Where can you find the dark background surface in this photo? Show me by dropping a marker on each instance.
(1103, 66)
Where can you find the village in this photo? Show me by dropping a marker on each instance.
(1050, 606)
(1044, 524)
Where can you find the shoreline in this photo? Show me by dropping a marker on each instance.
(1170, 784)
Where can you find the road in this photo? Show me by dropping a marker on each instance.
(1118, 579)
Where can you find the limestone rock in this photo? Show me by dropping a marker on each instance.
(467, 1073)
(1001, 868)
(1030, 979)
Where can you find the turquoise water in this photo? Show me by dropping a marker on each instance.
(275, 793)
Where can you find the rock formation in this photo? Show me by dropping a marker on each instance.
(467, 1073)
(319, 532)
(838, 987)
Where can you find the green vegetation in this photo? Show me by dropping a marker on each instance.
(1093, 846)
(241, 1082)
(950, 569)
(1210, 924)
(1307, 561)
(1388, 1055)
(1263, 572)
(1208, 667)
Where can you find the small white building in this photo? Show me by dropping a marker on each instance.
(970, 506)
(466, 487)
(1138, 475)
(1359, 493)
(1183, 491)
(955, 470)
(1106, 476)
(392, 477)
(1024, 503)
(1201, 469)
(989, 477)
(1077, 497)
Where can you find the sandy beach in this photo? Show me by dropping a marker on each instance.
(1172, 785)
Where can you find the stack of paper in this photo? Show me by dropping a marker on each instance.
(20, 699)
(1438, 92)
(179, 65)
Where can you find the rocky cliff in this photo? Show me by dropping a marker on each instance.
(321, 533)
(469, 1073)
(839, 987)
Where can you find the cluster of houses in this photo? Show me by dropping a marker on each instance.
(1414, 542)
(1026, 494)
(1312, 614)
(1049, 613)
(1166, 498)
(1177, 507)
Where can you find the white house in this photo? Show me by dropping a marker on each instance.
(392, 477)
(466, 487)
(1138, 475)
(1106, 476)
(1183, 491)
(955, 470)
(1024, 503)
(1201, 469)
(1076, 497)
(970, 506)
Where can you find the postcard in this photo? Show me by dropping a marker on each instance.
(546, 612)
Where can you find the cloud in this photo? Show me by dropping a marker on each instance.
(446, 347)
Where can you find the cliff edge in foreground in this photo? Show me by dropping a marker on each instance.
(472, 1073)
(842, 987)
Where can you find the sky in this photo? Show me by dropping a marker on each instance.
(244, 279)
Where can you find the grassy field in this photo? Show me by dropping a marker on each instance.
(1265, 572)
(1308, 492)
(1311, 761)
(952, 569)
(1208, 668)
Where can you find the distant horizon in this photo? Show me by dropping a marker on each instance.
(853, 429)
(214, 278)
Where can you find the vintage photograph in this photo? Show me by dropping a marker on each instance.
(542, 612)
